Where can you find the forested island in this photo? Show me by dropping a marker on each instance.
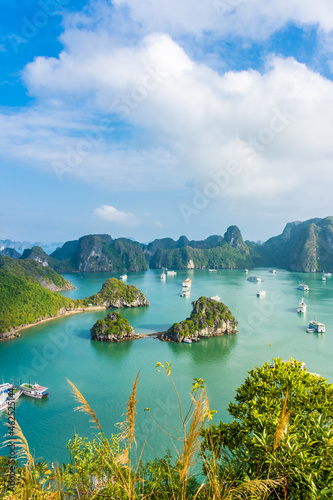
(27, 297)
(209, 318)
(302, 246)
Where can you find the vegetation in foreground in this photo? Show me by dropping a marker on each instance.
(279, 448)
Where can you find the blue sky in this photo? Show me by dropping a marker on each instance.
(147, 119)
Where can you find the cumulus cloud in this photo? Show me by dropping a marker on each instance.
(147, 116)
(111, 214)
(256, 19)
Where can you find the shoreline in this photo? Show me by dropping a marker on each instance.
(13, 332)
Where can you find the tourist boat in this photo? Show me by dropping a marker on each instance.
(34, 391)
(246, 270)
(3, 400)
(123, 277)
(212, 270)
(6, 398)
(5, 388)
(301, 306)
(163, 276)
(327, 274)
(261, 293)
(303, 287)
(171, 273)
(187, 283)
(203, 336)
(195, 339)
(215, 297)
(254, 278)
(185, 293)
(273, 271)
(187, 340)
(316, 327)
(323, 278)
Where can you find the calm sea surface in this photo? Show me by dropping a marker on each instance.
(104, 373)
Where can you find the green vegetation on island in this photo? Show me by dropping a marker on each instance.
(279, 446)
(115, 293)
(25, 301)
(208, 317)
(112, 328)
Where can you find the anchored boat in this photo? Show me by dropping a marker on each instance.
(34, 391)
(315, 327)
(301, 306)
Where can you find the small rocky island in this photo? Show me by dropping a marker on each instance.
(116, 294)
(113, 328)
(209, 318)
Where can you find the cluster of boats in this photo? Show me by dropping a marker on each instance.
(314, 326)
(10, 392)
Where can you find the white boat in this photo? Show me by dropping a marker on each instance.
(187, 283)
(323, 278)
(246, 270)
(34, 391)
(4, 388)
(186, 340)
(261, 293)
(301, 306)
(163, 276)
(123, 277)
(316, 327)
(273, 271)
(254, 278)
(327, 274)
(303, 287)
(212, 270)
(185, 293)
(215, 297)
(171, 273)
(3, 400)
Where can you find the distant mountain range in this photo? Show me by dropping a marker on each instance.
(20, 246)
(303, 246)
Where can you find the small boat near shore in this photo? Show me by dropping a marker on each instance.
(187, 340)
(212, 270)
(215, 297)
(34, 391)
(261, 293)
(273, 271)
(195, 339)
(163, 276)
(171, 273)
(123, 277)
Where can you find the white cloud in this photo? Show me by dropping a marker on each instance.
(111, 214)
(256, 19)
(145, 116)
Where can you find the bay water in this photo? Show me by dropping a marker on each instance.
(104, 373)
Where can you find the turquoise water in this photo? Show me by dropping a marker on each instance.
(104, 373)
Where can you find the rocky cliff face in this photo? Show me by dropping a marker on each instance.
(303, 246)
(100, 253)
(208, 317)
(234, 237)
(113, 328)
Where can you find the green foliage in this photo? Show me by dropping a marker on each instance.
(113, 324)
(222, 256)
(112, 291)
(24, 301)
(206, 312)
(266, 438)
